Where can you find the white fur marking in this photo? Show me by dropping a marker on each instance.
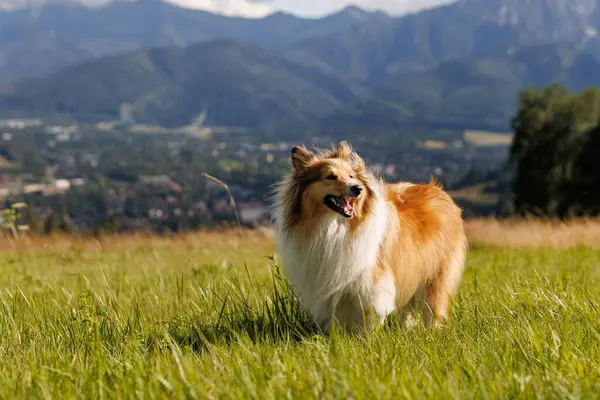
(384, 296)
(334, 264)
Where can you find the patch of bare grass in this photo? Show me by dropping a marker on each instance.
(534, 234)
(488, 139)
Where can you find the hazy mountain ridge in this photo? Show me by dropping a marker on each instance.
(235, 84)
(243, 85)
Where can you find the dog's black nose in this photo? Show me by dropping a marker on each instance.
(356, 189)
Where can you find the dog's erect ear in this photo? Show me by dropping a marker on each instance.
(344, 150)
(301, 158)
(357, 161)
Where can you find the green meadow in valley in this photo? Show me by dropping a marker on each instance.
(209, 316)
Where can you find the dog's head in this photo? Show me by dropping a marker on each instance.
(333, 181)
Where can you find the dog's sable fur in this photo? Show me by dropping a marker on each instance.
(357, 249)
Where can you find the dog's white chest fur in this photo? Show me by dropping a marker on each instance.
(331, 270)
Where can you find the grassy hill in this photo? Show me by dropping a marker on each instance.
(233, 83)
(207, 316)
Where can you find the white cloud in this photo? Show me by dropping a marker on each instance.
(260, 8)
(320, 7)
(252, 9)
(398, 7)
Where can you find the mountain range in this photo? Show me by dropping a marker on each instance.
(44, 39)
(460, 65)
(235, 84)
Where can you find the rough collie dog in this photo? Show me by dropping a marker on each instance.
(357, 249)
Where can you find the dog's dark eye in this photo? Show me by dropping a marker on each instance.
(331, 177)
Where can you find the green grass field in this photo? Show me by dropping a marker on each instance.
(207, 316)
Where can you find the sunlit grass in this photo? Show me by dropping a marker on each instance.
(209, 316)
(488, 139)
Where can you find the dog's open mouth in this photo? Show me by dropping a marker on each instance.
(340, 205)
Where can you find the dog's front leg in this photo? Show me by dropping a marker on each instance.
(383, 298)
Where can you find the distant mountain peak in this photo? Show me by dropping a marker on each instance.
(353, 9)
(355, 12)
(281, 15)
(351, 13)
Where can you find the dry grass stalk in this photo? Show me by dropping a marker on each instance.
(513, 234)
(231, 199)
(132, 241)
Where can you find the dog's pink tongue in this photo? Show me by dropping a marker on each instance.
(346, 206)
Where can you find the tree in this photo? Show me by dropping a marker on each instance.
(535, 128)
(130, 208)
(33, 221)
(552, 128)
(584, 191)
(51, 224)
(111, 224)
(65, 225)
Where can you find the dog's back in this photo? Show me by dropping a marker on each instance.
(425, 246)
